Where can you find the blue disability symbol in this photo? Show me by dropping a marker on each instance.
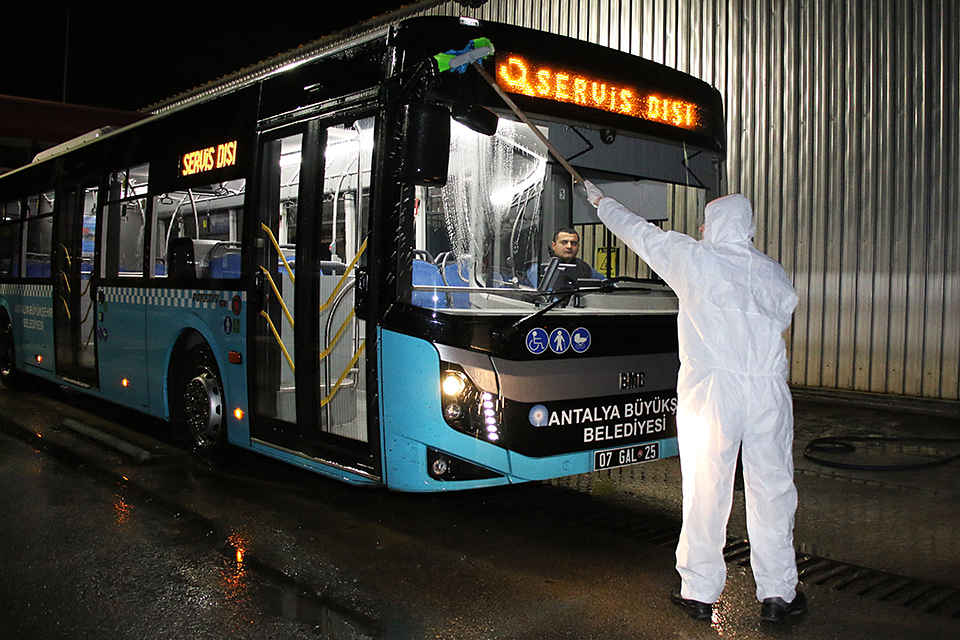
(537, 341)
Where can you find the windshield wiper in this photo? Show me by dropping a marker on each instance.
(502, 337)
(508, 334)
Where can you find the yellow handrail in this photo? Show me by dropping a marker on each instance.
(279, 341)
(336, 338)
(276, 292)
(276, 245)
(343, 278)
(343, 375)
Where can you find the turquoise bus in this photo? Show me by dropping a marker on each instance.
(341, 258)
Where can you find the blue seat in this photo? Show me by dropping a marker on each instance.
(225, 267)
(454, 279)
(426, 274)
(38, 269)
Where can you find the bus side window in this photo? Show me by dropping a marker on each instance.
(124, 222)
(200, 226)
(9, 238)
(39, 235)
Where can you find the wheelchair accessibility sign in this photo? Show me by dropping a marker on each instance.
(537, 341)
(558, 341)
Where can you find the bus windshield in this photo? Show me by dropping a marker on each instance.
(484, 240)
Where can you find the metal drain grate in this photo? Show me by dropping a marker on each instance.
(586, 511)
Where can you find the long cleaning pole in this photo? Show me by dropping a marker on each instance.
(523, 117)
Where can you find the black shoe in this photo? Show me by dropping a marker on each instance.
(694, 608)
(775, 609)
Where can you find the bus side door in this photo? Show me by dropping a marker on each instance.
(74, 315)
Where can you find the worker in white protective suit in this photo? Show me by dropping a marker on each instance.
(735, 304)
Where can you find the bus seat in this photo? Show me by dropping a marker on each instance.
(225, 266)
(427, 275)
(454, 279)
(189, 258)
(38, 269)
(180, 258)
(533, 274)
(202, 250)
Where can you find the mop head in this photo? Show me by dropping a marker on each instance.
(477, 49)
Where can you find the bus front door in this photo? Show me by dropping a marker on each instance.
(74, 315)
(274, 371)
(308, 378)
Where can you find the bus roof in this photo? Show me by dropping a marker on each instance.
(424, 36)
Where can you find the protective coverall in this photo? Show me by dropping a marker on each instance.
(735, 304)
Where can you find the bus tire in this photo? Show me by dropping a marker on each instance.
(10, 375)
(199, 398)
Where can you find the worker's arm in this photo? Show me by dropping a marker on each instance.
(662, 250)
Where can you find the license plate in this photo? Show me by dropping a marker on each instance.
(624, 456)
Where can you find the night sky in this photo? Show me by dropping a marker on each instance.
(129, 55)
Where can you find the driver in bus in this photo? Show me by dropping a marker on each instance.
(565, 246)
(735, 304)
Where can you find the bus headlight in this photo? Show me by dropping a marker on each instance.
(466, 408)
(454, 383)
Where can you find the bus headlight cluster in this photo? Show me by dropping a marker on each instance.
(466, 408)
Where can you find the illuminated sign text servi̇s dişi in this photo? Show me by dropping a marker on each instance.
(521, 75)
(202, 160)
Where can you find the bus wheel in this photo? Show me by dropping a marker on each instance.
(10, 375)
(201, 402)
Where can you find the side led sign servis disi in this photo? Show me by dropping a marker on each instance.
(202, 160)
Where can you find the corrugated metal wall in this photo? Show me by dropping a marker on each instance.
(844, 131)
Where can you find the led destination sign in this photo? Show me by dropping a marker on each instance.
(521, 75)
(202, 160)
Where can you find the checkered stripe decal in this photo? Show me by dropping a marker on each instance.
(28, 290)
(177, 298)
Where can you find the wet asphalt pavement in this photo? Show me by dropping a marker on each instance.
(95, 545)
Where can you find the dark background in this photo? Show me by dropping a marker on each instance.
(127, 55)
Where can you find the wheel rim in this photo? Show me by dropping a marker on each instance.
(202, 408)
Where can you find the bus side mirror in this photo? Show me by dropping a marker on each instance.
(426, 145)
(477, 118)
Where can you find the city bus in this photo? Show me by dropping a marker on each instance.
(341, 258)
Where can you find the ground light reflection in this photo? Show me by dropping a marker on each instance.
(121, 511)
(242, 583)
(721, 619)
(722, 624)
(236, 582)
